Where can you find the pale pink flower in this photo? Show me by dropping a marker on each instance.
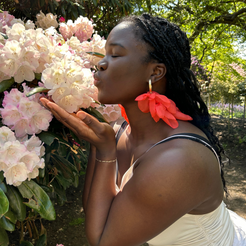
(6, 135)
(110, 112)
(34, 144)
(30, 159)
(28, 108)
(40, 121)
(11, 152)
(21, 128)
(5, 20)
(24, 115)
(46, 21)
(65, 31)
(24, 72)
(10, 115)
(19, 160)
(16, 174)
(14, 33)
(29, 25)
(83, 28)
(13, 97)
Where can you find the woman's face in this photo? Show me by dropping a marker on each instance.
(123, 74)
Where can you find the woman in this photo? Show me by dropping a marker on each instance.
(137, 191)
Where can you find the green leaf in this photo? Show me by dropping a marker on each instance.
(11, 216)
(38, 76)
(59, 191)
(96, 114)
(42, 2)
(1, 176)
(6, 224)
(16, 202)
(5, 84)
(96, 54)
(4, 203)
(47, 137)
(42, 240)
(4, 35)
(38, 199)
(36, 90)
(26, 243)
(3, 187)
(95, 2)
(67, 163)
(41, 172)
(4, 239)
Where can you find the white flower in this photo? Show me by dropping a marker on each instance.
(46, 21)
(29, 25)
(15, 32)
(24, 72)
(6, 135)
(16, 174)
(35, 144)
(11, 152)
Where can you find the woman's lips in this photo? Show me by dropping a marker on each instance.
(96, 79)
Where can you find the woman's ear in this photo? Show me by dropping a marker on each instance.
(159, 71)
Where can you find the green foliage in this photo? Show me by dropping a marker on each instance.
(105, 14)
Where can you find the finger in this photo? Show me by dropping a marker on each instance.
(91, 122)
(44, 101)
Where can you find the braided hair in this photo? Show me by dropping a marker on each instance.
(167, 44)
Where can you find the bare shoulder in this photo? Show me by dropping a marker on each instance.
(182, 169)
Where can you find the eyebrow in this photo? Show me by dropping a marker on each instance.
(117, 44)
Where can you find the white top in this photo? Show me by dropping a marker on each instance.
(212, 229)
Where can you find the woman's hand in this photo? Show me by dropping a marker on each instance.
(86, 127)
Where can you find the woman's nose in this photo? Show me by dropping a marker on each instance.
(102, 65)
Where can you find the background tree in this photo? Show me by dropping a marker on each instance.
(105, 14)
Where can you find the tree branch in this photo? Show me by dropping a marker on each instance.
(230, 19)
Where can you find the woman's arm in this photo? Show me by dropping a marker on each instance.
(89, 175)
(171, 180)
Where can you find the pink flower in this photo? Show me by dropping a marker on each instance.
(62, 19)
(24, 115)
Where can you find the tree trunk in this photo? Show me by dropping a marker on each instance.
(232, 106)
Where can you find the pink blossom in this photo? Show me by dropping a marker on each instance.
(24, 115)
(62, 19)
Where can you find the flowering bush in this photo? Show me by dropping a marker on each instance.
(40, 158)
(19, 161)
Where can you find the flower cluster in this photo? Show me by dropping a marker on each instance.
(25, 52)
(110, 112)
(71, 86)
(24, 115)
(19, 160)
(46, 21)
(82, 28)
(7, 20)
(97, 44)
(199, 70)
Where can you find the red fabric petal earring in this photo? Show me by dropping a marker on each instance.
(160, 107)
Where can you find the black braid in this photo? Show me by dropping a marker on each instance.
(169, 45)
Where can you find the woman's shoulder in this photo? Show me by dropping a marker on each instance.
(180, 167)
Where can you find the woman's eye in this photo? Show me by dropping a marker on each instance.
(114, 56)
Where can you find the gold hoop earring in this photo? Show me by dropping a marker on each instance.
(150, 86)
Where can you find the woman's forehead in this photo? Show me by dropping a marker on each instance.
(123, 31)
